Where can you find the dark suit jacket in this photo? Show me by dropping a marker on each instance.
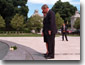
(62, 29)
(49, 23)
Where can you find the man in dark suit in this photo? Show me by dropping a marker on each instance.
(64, 32)
(49, 31)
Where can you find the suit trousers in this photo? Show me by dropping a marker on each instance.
(50, 40)
(64, 34)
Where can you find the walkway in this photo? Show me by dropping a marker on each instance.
(32, 48)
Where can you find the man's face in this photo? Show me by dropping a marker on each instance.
(45, 10)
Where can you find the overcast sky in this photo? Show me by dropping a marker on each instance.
(36, 4)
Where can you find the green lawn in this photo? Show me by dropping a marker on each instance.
(20, 35)
(29, 35)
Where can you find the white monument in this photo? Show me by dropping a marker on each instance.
(37, 13)
(73, 19)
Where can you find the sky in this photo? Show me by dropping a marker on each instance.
(37, 4)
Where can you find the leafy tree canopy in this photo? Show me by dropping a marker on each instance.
(59, 21)
(65, 9)
(2, 23)
(35, 23)
(9, 8)
(18, 22)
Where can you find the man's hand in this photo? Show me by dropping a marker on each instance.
(49, 32)
(42, 34)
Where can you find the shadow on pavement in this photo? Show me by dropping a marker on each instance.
(3, 49)
(22, 53)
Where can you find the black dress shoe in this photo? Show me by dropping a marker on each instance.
(66, 40)
(48, 57)
(45, 55)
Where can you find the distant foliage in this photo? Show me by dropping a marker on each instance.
(65, 9)
(2, 23)
(18, 22)
(59, 21)
(35, 23)
(9, 8)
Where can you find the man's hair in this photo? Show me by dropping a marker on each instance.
(45, 6)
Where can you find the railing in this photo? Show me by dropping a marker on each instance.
(11, 32)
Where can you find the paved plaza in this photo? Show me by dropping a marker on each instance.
(33, 48)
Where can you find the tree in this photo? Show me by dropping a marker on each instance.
(18, 22)
(9, 8)
(77, 23)
(59, 20)
(35, 23)
(2, 23)
(65, 9)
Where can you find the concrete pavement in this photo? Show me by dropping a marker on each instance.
(32, 48)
